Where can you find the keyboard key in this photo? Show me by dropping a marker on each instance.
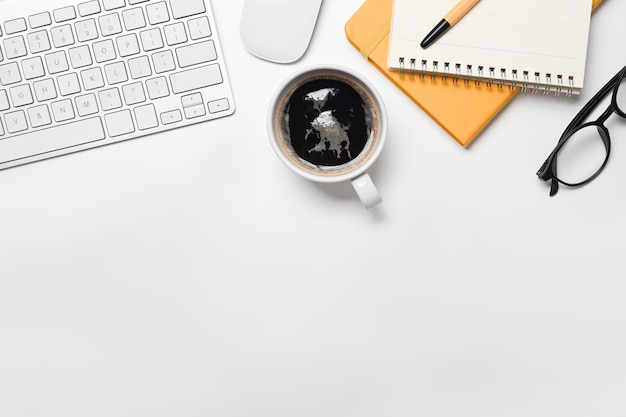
(15, 122)
(196, 78)
(139, 67)
(48, 140)
(194, 111)
(88, 8)
(134, 93)
(170, 117)
(197, 53)
(92, 78)
(115, 73)
(217, 106)
(69, 84)
(39, 20)
(86, 105)
(62, 36)
(10, 74)
(199, 28)
(191, 100)
(39, 116)
(21, 95)
(64, 14)
(80, 56)
(146, 117)
(110, 24)
(127, 45)
(33, 68)
(163, 61)
(184, 8)
(104, 51)
(45, 90)
(110, 99)
(15, 26)
(15, 47)
(157, 13)
(56, 62)
(119, 123)
(86, 30)
(151, 39)
(38, 41)
(157, 88)
(175, 34)
(134, 18)
(113, 4)
(63, 110)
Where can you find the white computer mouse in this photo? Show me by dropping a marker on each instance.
(278, 30)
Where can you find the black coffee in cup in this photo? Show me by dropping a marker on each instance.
(327, 123)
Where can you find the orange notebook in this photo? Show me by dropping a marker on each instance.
(462, 109)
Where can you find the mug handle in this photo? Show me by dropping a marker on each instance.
(366, 190)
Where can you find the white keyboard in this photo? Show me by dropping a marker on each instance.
(74, 76)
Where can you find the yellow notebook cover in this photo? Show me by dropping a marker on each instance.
(462, 109)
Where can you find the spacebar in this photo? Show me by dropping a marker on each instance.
(51, 139)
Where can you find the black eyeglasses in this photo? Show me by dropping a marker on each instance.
(583, 149)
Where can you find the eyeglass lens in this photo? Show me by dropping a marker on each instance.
(584, 153)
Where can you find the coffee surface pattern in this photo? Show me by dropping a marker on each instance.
(327, 122)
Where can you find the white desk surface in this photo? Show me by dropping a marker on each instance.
(192, 274)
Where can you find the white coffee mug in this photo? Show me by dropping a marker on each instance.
(328, 124)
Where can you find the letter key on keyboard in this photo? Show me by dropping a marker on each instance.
(79, 74)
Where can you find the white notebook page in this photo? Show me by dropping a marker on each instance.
(547, 39)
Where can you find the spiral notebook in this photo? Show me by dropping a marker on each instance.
(538, 45)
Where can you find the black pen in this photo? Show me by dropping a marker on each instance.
(454, 15)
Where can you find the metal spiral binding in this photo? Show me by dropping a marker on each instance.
(513, 79)
(468, 76)
(570, 88)
(536, 83)
(525, 81)
(559, 85)
(550, 84)
(492, 76)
